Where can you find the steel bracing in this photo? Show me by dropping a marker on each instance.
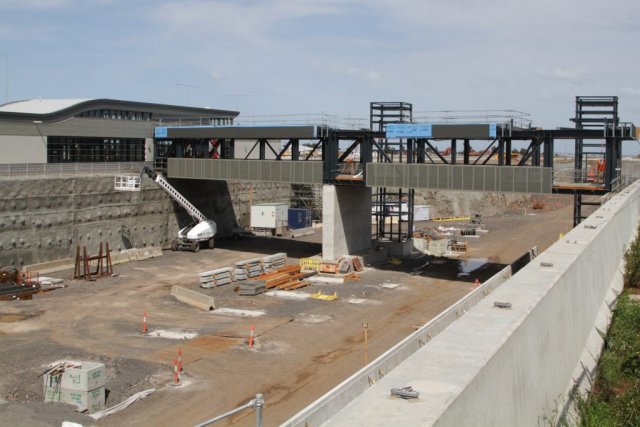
(344, 154)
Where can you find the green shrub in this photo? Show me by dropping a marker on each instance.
(615, 400)
(632, 264)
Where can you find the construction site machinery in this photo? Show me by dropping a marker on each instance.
(199, 233)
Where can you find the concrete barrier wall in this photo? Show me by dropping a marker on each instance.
(336, 399)
(516, 366)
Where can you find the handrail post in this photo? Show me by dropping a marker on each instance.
(259, 403)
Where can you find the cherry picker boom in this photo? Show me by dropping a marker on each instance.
(199, 233)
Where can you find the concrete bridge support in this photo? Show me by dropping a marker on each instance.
(346, 225)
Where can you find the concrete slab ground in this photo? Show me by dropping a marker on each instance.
(303, 348)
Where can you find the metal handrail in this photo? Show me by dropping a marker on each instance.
(514, 118)
(9, 170)
(257, 403)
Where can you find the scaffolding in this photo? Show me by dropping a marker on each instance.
(308, 196)
(392, 210)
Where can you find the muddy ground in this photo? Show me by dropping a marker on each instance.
(304, 347)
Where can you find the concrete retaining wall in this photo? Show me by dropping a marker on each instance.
(335, 400)
(516, 366)
(44, 219)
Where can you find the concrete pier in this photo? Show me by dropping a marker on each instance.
(346, 227)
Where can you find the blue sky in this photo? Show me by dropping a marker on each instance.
(327, 56)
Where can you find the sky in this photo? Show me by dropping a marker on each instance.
(273, 57)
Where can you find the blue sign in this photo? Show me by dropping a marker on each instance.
(409, 130)
(161, 132)
(493, 130)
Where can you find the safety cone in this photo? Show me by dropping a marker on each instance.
(251, 334)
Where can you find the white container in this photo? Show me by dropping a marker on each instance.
(92, 401)
(88, 376)
(269, 215)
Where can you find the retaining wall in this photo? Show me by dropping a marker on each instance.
(44, 219)
(517, 365)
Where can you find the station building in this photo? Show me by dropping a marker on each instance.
(91, 130)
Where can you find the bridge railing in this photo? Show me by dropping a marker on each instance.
(10, 170)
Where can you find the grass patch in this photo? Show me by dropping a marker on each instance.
(615, 399)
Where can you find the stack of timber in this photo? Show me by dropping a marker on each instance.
(285, 278)
(218, 277)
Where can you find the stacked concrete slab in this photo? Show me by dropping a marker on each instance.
(218, 277)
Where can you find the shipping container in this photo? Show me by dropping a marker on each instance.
(269, 215)
(299, 218)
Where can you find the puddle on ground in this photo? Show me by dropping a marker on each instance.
(468, 266)
(16, 317)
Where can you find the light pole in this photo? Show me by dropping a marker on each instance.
(6, 76)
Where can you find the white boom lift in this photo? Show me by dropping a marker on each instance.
(191, 237)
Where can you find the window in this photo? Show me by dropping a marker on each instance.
(64, 149)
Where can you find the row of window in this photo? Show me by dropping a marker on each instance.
(142, 116)
(64, 149)
(116, 115)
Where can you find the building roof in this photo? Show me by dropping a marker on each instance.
(60, 109)
(40, 106)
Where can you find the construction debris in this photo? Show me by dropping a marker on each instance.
(325, 297)
(405, 393)
(122, 405)
(458, 246)
(331, 267)
(19, 285)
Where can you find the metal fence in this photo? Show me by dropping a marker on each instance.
(10, 170)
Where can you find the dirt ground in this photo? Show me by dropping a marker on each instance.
(304, 347)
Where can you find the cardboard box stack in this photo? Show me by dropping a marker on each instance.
(77, 383)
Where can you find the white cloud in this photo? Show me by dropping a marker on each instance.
(374, 76)
(215, 75)
(570, 75)
(632, 92)
(33, 4)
